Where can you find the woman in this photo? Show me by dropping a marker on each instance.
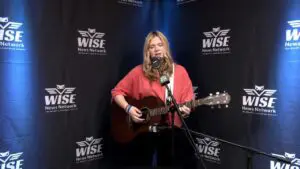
(143, 81)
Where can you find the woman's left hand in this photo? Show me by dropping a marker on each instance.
(185, 111)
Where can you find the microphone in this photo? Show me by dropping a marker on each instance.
(164, 79)
(156, 62)
(157, 128)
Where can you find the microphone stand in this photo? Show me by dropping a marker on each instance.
(251, 151)
(164, 80)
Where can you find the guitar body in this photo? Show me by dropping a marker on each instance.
(123, 129)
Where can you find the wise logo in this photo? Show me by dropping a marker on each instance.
(259, 101)
(60, 99)
(89, 149)
(216, 41)
(91, 42)
(11, 34)
(209, 149)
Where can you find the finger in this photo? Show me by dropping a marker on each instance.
(138, 119)
(137, 110)
(183, 111)
(185, 115)
(136, 114)
(186, 109)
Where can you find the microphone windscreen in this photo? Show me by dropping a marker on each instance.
(155, 62)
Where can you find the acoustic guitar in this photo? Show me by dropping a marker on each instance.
(124, 129)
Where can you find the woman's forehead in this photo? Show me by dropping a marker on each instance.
(155, 39)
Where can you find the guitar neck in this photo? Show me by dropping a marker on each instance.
(193, 103)
(165, 110)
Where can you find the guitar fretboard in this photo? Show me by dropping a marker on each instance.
(166, 109)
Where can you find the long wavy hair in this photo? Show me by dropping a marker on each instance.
(167, 62)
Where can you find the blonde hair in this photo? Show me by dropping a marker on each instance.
(167, 62)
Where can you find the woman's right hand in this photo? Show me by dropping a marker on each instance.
(135, 114)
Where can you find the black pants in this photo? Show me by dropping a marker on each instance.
(155, 150)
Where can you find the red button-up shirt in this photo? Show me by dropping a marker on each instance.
(136, 85)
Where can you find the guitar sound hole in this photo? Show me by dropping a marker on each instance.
(145, 113)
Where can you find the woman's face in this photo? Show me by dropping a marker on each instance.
(156, 48)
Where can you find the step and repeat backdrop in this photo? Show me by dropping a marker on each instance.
(59, 60)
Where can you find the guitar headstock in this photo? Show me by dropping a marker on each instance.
(217, 99)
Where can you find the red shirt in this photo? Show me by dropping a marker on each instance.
(137, 86)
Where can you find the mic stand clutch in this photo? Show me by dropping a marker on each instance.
(164, 81)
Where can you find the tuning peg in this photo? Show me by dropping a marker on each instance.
(210, 94)
(217, 93)
(226, 105)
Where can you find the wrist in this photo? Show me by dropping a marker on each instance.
(127, 108)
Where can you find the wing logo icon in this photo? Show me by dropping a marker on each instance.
(260, 91)
(294, 24)
(208, 142)
(289, 156)
(91, 33)
(9, 157)
(89, 141)
(216, 32)
(60, 89)
(4, 23)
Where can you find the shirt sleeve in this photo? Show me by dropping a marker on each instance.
(125, 86)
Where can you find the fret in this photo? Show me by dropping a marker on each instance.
(159, 111)
(164, 110)
(192, 104)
